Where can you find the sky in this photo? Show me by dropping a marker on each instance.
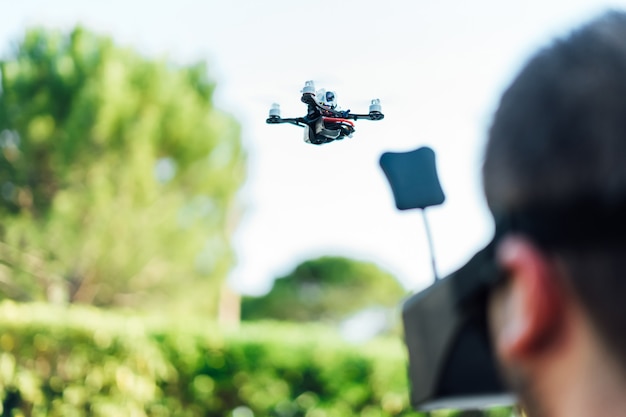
(438, 67)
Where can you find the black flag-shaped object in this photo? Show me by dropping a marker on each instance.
(413, 178)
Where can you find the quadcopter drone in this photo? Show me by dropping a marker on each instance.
(324, 121)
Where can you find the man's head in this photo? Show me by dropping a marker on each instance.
(557, 145)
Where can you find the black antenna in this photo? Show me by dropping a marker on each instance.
(415, 184)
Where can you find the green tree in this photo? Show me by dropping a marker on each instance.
(329, 288)
(118, 176)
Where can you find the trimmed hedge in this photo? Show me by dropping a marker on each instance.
(81, 361)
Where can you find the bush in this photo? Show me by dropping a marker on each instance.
(81, 361)
(78, 361)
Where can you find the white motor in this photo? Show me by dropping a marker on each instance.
(309, 87)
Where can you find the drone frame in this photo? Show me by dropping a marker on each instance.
(330, 115)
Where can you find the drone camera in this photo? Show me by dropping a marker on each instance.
(326, 99)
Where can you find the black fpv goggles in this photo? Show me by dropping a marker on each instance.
(451, 362)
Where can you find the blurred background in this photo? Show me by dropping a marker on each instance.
(138, 177)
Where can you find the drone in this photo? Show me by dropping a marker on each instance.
(324, 121)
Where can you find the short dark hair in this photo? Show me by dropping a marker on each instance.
(558, 135)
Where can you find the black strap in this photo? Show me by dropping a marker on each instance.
(586, 222)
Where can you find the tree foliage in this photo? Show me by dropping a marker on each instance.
(118, 176)
(329, 288)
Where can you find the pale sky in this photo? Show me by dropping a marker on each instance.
(438, 68)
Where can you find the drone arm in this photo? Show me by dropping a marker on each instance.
(298, 121)
(370, 116)
(374, 114)
(308, 98)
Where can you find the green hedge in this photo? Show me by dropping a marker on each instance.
(86, 362)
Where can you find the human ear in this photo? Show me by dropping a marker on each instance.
(528, 309)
